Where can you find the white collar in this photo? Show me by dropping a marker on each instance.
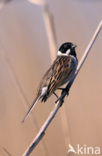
(59, 53)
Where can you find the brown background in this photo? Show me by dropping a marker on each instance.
(25, 56)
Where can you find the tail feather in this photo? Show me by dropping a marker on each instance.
(30, 109)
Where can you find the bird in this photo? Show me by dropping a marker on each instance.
(59, 73)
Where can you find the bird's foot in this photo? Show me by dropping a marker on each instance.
(59, 99)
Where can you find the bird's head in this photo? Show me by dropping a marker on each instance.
(67, 49)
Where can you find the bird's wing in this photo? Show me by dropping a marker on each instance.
(62, 70)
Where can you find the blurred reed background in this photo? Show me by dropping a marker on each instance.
(26, 52)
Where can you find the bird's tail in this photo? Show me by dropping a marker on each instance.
(30, 109)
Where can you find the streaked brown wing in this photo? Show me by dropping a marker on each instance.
(62, 69)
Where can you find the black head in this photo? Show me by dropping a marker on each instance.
(66, 49)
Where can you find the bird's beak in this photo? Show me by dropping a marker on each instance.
(74, 46)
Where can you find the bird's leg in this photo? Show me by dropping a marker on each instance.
(55, 94)
(58, 98)
(63, 90)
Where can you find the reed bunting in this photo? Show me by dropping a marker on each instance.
(60, 72)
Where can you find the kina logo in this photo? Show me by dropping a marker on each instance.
(84, 150)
